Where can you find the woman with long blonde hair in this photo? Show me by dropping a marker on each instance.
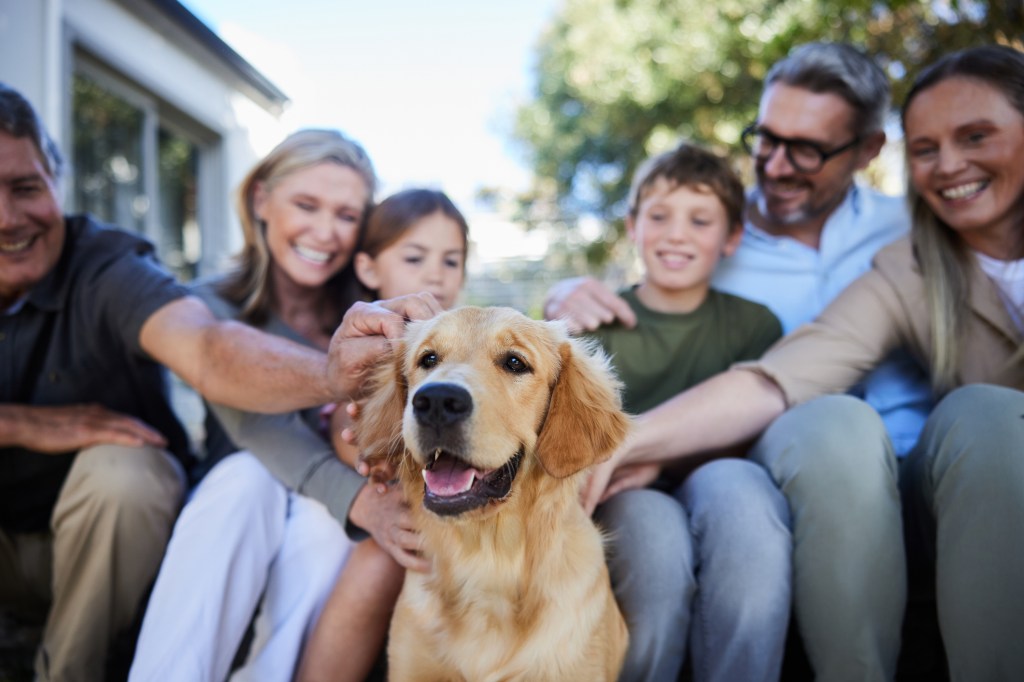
(268, 528)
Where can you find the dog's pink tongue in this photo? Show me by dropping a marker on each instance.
(449, 477)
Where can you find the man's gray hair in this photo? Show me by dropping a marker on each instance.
(841, 69)
(18, 118)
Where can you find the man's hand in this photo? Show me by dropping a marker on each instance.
(68, 428)
(585, 304)
(365, 335)
(386, 517)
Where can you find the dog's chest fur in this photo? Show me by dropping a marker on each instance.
(494, 610)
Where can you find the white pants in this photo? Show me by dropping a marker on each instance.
(242, 541)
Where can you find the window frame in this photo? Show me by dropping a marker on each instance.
(156, 113)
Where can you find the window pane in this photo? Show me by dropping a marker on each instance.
(178, 238)
(107, 133)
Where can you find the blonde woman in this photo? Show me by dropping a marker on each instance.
(268, 528)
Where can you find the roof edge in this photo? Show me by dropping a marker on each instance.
(192, 25)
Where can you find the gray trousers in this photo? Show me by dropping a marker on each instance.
(88, 574)
(964, 485)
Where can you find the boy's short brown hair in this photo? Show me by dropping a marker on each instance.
(690, 165)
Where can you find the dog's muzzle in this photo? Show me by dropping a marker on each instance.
(452, 485)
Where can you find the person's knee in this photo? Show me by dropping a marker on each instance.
(979, 412)
(836, 443)
(239, 486)
(650, 553)
(645, 523)
(314, 540)
(242, 474)
(974, 434)
(131, 479)
(733, 487)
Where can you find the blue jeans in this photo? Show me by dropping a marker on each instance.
(710, 568)
(964, 483)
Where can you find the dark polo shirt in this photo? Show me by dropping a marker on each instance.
(75, 339)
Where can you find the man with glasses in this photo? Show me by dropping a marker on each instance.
(811, 230)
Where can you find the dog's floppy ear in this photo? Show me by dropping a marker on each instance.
(379, 427)
(585, 422)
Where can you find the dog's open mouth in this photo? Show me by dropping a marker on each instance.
(454, 487)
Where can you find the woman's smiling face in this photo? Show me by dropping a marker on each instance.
(965, 145)
(312, 221)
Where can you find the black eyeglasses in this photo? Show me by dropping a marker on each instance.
(805, 156)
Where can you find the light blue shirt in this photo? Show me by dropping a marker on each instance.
(797, 282)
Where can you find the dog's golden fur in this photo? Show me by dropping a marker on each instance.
(519, 589)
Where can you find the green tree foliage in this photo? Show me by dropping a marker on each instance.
(618, 80)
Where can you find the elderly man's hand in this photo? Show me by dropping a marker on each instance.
(66, 428)
(365, 335)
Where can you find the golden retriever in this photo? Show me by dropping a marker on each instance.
(493, 418)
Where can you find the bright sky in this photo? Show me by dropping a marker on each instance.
(429, 88)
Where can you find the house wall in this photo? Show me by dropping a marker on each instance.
(30, 54)
(38, 39)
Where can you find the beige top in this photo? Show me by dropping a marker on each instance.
(884, 309)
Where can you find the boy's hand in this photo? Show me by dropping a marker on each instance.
(585, 304)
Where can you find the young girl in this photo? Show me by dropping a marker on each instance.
(415, 241)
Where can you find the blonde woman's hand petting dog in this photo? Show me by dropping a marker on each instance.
(386, 517)
(595, 488)
(632, 476)
(616, 474)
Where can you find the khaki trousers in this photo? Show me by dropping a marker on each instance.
(88, 575)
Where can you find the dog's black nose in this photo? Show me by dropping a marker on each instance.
(441, 404)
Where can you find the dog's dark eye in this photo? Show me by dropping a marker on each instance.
(428, 360)
(516, 364)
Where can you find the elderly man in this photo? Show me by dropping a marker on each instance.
(91, 454)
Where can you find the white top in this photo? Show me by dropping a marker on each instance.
(1008, 276)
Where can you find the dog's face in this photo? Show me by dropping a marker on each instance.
(484, 393)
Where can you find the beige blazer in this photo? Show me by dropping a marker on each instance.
(884, 309)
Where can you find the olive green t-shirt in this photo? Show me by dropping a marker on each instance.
(666, 353)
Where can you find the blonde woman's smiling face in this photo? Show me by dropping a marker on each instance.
(965, 145)
(312, 221)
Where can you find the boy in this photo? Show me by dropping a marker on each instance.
(685, 214)
(721, 568)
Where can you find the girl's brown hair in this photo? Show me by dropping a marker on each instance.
(250, 286)
(390, 219)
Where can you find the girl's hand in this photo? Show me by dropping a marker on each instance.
(386, 517)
